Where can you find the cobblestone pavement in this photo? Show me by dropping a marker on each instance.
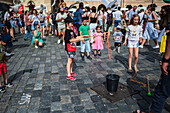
(40, 85)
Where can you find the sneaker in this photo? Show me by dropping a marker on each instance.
(141, 46)
(119, 51)
(8, 54)
(88, 57)
(25, 39)
(36, 47)
(95, 55)
(59, 41)
(155, 47)
(50, 34)
(2, 89)
(114, 49)
(9, 84)
(136, 69)
(99, 55)
(71, 78)
(73, 74)
(130, 70)
(63, 43)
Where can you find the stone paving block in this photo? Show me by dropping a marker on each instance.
(67, 107)
(76, 100)
(65, 99)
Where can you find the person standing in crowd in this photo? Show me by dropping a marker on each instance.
(54, 15)
(108, 23)
(41, 18)
(70, 47)
(12, 22)
(7, 19)
(93, 19)
(132, 12)
(117, 17)
(98, 42)
(85, 30)
(141, 14)
(62, 4)
(49, 24)
(67, 13)
(61, 24)
(134, 36)
(150, 32)
(22, 16)
(35, 20)
(127, 15)
(100, 16)
(28, 26)
(87, 14)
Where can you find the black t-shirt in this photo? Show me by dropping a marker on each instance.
(69, 34)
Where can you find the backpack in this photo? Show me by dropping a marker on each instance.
(75, 18)
(41, 18)
(109, 19)
(54, 17)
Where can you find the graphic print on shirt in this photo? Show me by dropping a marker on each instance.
(72, 36)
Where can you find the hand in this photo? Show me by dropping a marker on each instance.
(124, 43)
(149, 19)
(165, 67)
(81, 39)
(167, 31)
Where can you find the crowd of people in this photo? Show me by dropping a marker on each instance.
(89, 28)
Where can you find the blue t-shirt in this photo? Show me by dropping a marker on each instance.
(80, 13)
(118, 36)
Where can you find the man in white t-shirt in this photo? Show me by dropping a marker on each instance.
(117, 17)
(141, 16)
(61, 24)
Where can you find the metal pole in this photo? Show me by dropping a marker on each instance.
(152, 1)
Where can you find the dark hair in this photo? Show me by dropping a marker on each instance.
(153, 9)
(142, 10)
(84, 18)
(26, 12)
(135, 15)
(66, 8)
(69, 20)
(88, 8)
(140, 5)
(35, 11)
(56, 10)
(98, 27)
(119, 8)
(81, 5)
(41, 12)
(93, 9)
(22, 11)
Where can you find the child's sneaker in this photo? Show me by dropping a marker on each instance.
(8, 84)
(73, 74)
(99, 55)
(2, 89)
(88, 57)
(59, 41)
(95, 55)
(63, 43)
(71, 78)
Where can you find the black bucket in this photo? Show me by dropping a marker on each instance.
(112, 81)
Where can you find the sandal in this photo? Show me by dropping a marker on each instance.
(130, 70)
(71, 78)
(136, 69)
(73, 74)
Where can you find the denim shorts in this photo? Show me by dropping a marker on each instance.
(42, 24)
(85, 46)
(133, 43)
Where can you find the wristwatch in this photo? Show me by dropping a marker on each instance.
(165, 60)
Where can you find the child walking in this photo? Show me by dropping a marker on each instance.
(85, 30)
(70, 47)
(134, 36)
(98, 41)
(3, 68)
(118, 38)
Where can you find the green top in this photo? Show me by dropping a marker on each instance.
(85, 31)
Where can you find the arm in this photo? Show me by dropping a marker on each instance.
(79, 38)
(155, 18)
(114, 38)
(35, 33)
(89, 35)
(126, 36)
(121, 38)
(89, 17)
(140, 35)
(97, 18)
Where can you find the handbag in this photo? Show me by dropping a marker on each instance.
(163, 44)
(70, 48)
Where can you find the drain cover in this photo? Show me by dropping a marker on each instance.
(123, 91)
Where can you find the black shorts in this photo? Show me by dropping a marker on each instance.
(117, 44)
(8, 24)
(71, 54)
(23, 24)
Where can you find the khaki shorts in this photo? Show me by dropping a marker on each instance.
(61, 28)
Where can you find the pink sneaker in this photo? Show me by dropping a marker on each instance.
(44, 36)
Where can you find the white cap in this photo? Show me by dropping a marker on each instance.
(118, 27)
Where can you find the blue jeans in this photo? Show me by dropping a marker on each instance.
(85, 46)
(162, 92)
(29, 33)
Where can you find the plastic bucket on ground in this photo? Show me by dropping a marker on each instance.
(112, 81)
